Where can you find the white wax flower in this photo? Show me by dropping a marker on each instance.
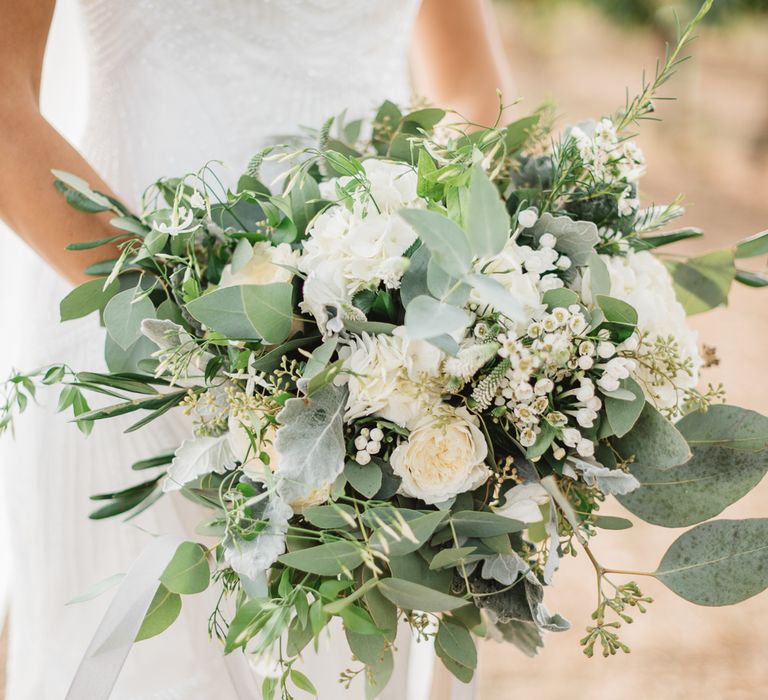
(443, 456)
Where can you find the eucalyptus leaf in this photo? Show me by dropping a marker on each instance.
(247, 312)
(726, 426)
(414, 281)
(497, 296)
(622, 414)
(714, 478)
(444, 287)
(123, 315)
(188, 571)
(365, 479)
(653, 442)
(703, 283)
(444, 239)
(413, 596)
(753, 246)
(456, 642)
(487, 221)
(718, 563)
(88, 297)
(162, 613)
(474, 523)
(328, 559)
(426, 317)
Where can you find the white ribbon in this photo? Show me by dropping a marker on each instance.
(104, 659)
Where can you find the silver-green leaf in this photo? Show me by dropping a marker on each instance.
(718, 563)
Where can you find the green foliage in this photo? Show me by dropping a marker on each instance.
(162, 613)
(718, 563)
(247, 312)
(188, 571)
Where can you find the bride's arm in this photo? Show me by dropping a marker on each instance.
(30, 147)
(458, 61)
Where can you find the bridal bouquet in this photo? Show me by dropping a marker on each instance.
(414, 375)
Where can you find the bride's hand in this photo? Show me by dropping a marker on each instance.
(30, 147)
(458, 60)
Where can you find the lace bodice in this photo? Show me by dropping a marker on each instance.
(175, 83)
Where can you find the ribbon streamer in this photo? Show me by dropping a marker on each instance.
(104, 659)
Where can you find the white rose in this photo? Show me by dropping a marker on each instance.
(522, 502)
(264, 267)
(443, 457)
(391, 376)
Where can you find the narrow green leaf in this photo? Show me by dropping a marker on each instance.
(413, 596)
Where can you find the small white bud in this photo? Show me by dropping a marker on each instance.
(377, 435)
(547, 241)
(373, 448)
(362, 458)
(360, 442)
(528, 217)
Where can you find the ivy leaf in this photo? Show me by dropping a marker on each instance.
(718, 563)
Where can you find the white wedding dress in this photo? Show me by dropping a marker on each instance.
(171, 85)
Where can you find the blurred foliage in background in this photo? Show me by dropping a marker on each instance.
(660, 14)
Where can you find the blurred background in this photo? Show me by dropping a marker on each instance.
(712, 145)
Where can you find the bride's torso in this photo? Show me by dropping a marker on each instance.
(174, 84)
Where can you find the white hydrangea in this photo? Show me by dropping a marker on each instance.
(642, 281)
(391, 376)
(350, 249)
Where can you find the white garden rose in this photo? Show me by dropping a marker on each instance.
(642, 281)
(443, 456)
(268, 264)
(391, 376)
